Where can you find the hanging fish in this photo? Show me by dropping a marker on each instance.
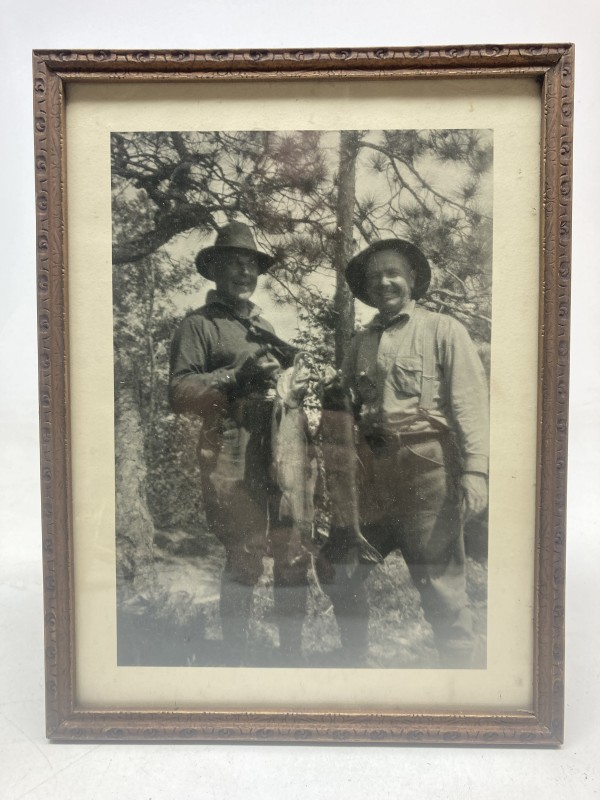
(347, 544)
(294, 459)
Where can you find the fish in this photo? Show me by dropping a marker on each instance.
(294, 459)
(340, 456)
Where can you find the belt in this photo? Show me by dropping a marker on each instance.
(385, 441)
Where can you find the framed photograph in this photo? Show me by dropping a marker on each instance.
(303, 353)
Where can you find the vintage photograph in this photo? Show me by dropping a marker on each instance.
(302, 328)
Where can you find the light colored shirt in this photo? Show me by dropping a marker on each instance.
(384, 371)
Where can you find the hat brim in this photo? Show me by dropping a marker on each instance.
(208, 258)
(357, 267)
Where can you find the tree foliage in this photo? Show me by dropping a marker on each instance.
(425, 186)
(312, 198)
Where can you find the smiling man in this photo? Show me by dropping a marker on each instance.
(225, 360)
(421, 401)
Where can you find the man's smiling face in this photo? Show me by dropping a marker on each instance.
(236, 275)
(390, 281)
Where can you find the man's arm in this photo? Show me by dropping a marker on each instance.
(192, 387)
(195, 387)
(469, 405)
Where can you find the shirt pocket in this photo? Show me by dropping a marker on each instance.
(406, 375)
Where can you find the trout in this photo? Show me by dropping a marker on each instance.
(294, 461)
(347, 544)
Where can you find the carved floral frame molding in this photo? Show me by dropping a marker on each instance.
(552, 65)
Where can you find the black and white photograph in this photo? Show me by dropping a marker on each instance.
(302, 330)
(224, 570)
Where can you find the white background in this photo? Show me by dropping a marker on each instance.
(31, 768)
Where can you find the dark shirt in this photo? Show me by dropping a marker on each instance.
(211, 343)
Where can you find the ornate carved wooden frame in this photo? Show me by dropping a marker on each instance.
(552, 65)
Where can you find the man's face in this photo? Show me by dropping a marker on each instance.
(390, 280)
(236, 275)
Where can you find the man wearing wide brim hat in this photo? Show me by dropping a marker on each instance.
(234, 236)
(421, 398)
(225, 361)
(357, 267)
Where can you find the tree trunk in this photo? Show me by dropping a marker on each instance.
(134, 526)
(344, 302)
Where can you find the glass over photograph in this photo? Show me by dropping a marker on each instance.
(302, 328)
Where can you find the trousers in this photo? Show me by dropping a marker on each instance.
(242, 511)
(409, 502)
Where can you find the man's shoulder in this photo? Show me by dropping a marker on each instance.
(195, 322)
(424, 313)
(197, 316)
(444, 324)
(214, 314)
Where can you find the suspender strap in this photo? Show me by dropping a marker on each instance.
(283, 351)
(366, 355)
(429, 362)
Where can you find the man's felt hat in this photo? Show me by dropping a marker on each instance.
(356, 270)
(233, 236)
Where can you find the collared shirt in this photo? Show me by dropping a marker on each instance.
(384, 370)
(209, 345)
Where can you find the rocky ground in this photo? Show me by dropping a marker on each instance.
(177, 623)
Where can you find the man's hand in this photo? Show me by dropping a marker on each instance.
(258, 371)
(474, 494)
